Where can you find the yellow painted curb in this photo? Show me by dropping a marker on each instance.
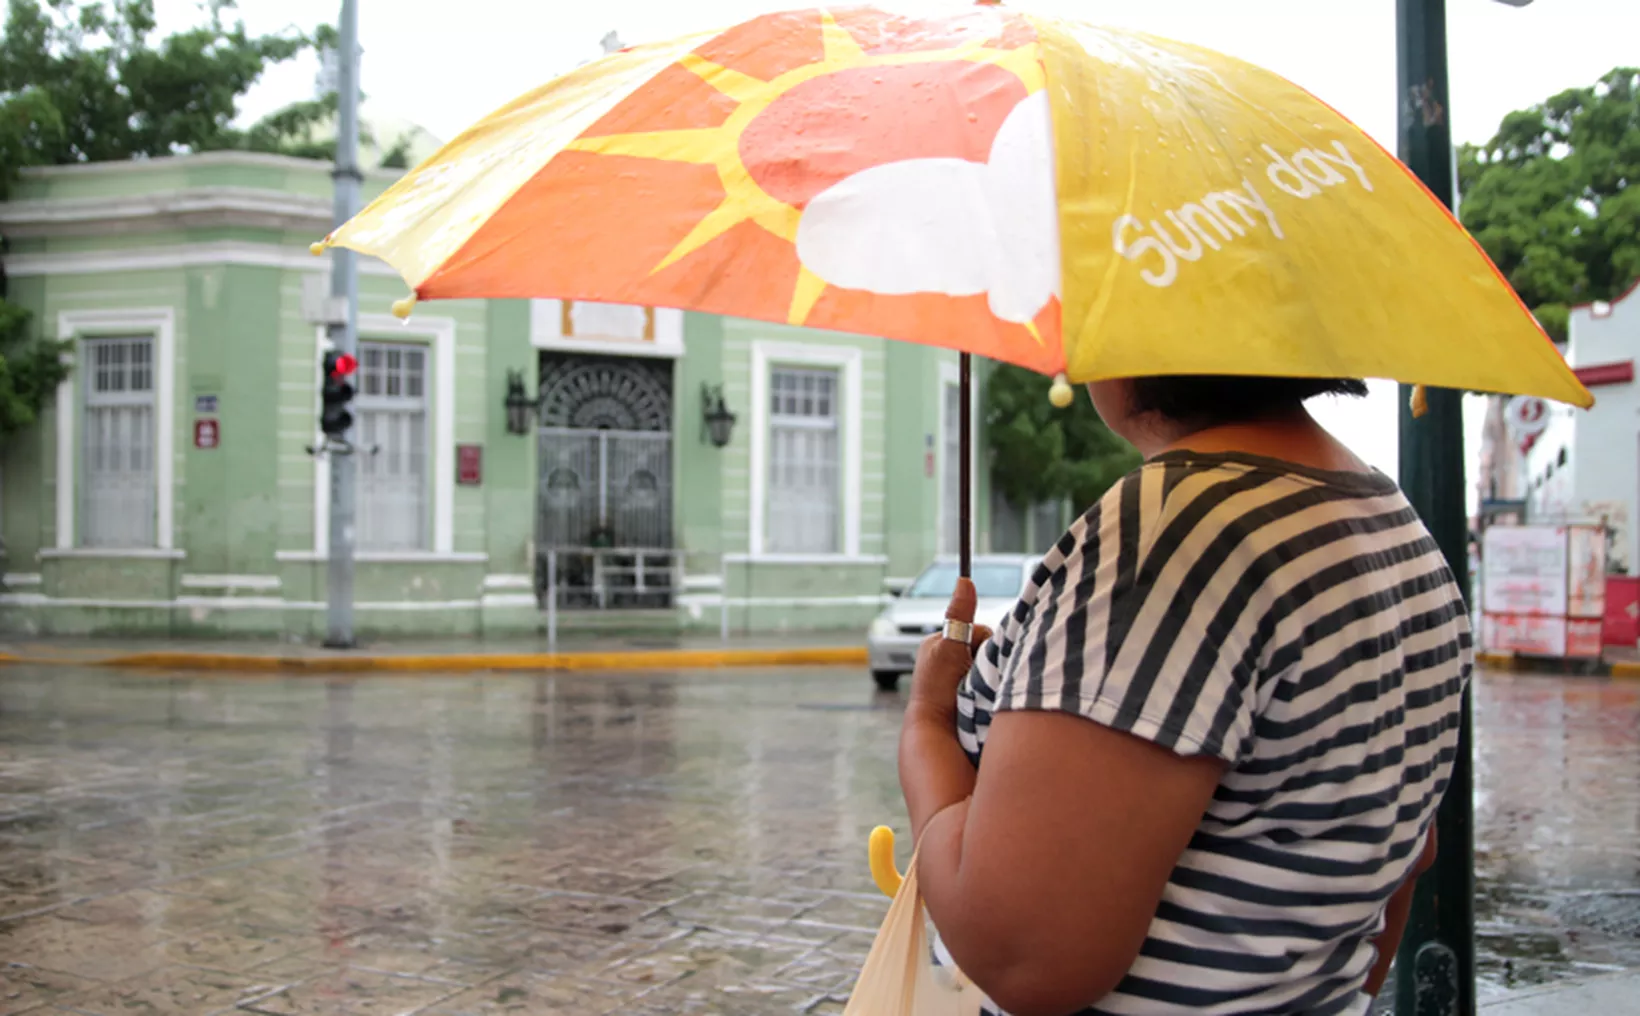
(468, 662)
(1626, 669)
(1498, 661)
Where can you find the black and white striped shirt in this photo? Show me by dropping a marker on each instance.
(1303, 627)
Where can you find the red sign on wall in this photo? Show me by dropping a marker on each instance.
(469, 465)
(207, 434)
(1622, 627)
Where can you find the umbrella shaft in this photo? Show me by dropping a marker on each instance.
(965, 467)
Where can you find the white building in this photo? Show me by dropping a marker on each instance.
(1585, 466)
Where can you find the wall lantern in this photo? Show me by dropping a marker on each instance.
(717, 423)
(518, 403)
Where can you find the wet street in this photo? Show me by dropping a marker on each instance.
(1557, 827)
(689, 843)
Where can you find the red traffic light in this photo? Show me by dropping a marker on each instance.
(345, 365)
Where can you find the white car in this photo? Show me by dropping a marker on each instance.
(920, 611)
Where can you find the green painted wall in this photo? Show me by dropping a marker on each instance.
(227, 513)
(912, 508)
(700, 470)
(508, 494)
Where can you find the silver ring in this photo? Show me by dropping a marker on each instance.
(959, 631)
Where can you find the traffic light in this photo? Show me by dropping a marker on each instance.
(335, 393)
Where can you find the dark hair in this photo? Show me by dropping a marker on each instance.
(1216, 399)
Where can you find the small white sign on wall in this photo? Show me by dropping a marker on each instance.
(580, 326)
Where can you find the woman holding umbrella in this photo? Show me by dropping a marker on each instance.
(1214, 732)
(1212, 737)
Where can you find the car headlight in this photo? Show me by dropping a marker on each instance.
(883, 628)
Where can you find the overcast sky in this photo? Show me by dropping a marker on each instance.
(444, 64)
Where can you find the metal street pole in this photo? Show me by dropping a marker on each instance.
(344, 332)
(1435, 968)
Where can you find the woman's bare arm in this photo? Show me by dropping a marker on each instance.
(1046, 905)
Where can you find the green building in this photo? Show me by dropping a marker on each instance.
(169, 491)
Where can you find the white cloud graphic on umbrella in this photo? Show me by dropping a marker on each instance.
(948, 225)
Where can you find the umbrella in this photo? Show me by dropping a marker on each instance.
(1084, 202)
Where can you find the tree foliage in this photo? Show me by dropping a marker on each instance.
(87, 81)
(1549, 199)
(29, 370)
(1040, 453)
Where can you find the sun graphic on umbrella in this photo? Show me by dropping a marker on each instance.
(818, 158)
(848, 171)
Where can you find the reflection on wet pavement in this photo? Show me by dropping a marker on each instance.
(1557, 826)
(439, 846)
(581, 845)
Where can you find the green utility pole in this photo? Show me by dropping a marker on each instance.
(1435, 969)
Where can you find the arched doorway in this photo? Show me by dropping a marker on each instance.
(604, 504)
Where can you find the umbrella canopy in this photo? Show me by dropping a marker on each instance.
(1076, 200)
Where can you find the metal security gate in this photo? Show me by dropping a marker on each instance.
(604, 516)
(605, 488)
(605, 520)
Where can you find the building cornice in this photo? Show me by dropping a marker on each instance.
(205, 160)
(173, 210)
(172, 256)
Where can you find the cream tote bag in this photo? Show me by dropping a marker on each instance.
(899, 977)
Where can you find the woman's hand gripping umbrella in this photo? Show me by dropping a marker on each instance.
(899, 977)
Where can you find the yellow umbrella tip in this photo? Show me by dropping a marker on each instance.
(402, 308)
(1420, 401)
(317, 248)
(1061, 394)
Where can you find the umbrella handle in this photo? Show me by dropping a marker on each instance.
(880, 853)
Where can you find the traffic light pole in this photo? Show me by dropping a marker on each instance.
(344, 334)
(1435, 968)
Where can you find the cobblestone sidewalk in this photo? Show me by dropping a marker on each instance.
(574, 846)
(439, 847)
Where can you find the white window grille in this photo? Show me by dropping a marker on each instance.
(117, 503)
(391, 407)
(950, 473)
(803, 490)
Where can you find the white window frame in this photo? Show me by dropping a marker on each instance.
(396, 404)
(846, 360)
(160, 324)
(121, 396)
(806, 420)
(950, 376)
(547, 332)
(440, 334)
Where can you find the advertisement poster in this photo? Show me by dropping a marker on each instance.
(1529, 636)
(1583, 639)
(1614, 516)
(1524, 571)
(1585, 572)
(1543, 590)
